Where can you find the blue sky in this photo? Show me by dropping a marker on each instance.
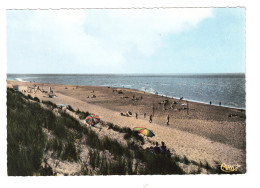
(175, 40)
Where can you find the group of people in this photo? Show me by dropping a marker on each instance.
(37, 88)
(151, 118)
(218, 103)
(159, 149)
(136, 98)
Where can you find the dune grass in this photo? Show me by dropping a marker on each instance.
(27, 143)
(128, 132)
(25, 138)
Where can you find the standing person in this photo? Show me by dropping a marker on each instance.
(168, 119)
(210, 102)
(150, 120)
(38, 88)
(220, 103)
(136, 115)
(50, 90)
(144, 115)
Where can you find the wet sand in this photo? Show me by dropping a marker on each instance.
(202, 132)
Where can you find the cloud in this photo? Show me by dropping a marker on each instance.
(142, 29)
(106, 37)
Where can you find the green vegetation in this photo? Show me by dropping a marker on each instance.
(36, 99)
(25, 138)
(27, 141)
(186, 160)
(49, 104)
(129, 133)
(82, 115)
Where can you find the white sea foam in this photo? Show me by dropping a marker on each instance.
(151, 90)
(127, 86)
(20, 80)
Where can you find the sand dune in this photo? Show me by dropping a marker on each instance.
(204, 133)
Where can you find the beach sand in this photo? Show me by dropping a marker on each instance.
(202, 133)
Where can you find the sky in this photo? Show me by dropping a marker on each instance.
(91, 41)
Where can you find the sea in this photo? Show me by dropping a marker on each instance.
(229, 89)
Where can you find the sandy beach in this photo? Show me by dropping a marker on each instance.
(202, 132)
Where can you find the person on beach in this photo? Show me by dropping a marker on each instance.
(144, 115)
(150, 120)
(50, 90)
(210, 102)
(163, 148)
(136, 115)
(38, 89)
(220, 103)
(157, 149)
(168, 119)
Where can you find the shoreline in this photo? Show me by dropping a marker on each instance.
(159, 94)
(205, 132)
(201, 102)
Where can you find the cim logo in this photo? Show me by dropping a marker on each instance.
(228, 168)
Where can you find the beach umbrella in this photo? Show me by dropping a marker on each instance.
(93, 119)
(144, 131)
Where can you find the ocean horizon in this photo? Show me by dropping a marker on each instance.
(227, 88)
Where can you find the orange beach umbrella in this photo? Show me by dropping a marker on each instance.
(93, 119)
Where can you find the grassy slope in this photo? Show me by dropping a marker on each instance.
(27, 143)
